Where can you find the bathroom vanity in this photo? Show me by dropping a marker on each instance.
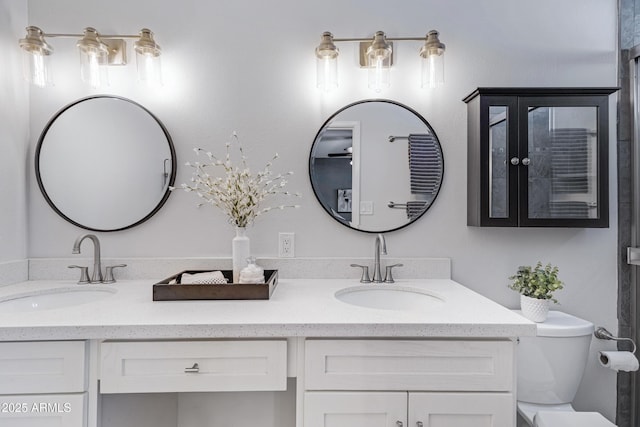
(306, 357)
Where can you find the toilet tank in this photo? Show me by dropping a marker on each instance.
(550, 365)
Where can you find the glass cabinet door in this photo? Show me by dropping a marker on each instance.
(498, 161)
(562, 161)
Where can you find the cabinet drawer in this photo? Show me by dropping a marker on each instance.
(177, 366)
(42, 367)
(409, 365)
(54, 410)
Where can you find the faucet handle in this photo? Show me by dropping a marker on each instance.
(84, 274)
(108, 274)
(388, 277)
(365, 273)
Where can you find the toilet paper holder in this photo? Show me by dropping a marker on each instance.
(603, 334)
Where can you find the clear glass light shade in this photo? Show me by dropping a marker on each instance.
(93, 68)
(432, 54)
(94, 57)
(36, 68)
(379, 62)
(379, 71)
(327, 63)
(433, 70)
(149, 69)
(36, 54)
(148, 59)
(327, 73)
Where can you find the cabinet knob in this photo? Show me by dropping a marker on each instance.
(399, 423)
(419, 424)
(515, 161)
(526, 161)
(194, 369)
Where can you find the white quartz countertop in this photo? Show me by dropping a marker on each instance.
(298, 307)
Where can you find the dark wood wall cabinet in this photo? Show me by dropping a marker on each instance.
(538, 157)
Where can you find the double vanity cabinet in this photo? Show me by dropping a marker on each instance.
(301, 359)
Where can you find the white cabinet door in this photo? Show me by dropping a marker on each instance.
(52, 410)
(350, 409)
(461, 409)
(183, 366)
(43, 367)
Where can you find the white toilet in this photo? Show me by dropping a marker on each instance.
(550, 368)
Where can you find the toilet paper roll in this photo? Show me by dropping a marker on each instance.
(619, 360)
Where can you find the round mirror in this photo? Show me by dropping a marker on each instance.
(376, 166)
(105, 163)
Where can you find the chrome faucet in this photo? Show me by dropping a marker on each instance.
(96, 277)
(381, 246)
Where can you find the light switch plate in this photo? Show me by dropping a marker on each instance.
(366, 208)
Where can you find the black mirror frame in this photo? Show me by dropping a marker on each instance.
(328, 121)
(172, 177)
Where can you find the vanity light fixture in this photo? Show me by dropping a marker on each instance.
(97, 51)
(377, 56)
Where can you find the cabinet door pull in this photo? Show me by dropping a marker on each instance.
(526, 161)
(194, 369)
(515, 161)
(399, 423)
(419, 424)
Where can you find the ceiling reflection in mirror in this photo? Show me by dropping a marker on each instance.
(376, 166)
(105, 163)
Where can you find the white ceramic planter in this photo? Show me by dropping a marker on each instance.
(534, 309)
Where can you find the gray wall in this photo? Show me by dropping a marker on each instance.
(273, 104)
(14, 139)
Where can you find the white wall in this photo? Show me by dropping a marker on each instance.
(14, 140)
(249, 66)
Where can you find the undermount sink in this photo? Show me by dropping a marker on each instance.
(389, 297)
(50, 299)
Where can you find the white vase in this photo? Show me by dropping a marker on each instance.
(240, 250)
(534, 309)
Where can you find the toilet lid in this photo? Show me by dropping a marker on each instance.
(559, 324)
(570, 419)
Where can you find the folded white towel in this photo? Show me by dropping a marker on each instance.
(207, 278)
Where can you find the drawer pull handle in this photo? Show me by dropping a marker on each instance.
(419, 424)
(399, 423)
(194, 369)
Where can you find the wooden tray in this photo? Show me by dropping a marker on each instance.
(163, 291)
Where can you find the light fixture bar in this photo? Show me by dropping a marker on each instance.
(96, 51)
(388, 39)
(109, 36)
(376, 54)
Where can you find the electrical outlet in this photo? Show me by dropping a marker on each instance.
(286, 245)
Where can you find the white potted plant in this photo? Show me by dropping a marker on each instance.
(536, 286)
